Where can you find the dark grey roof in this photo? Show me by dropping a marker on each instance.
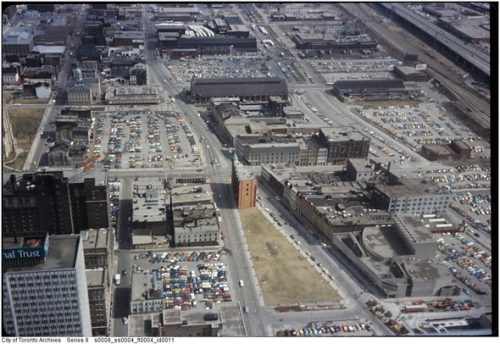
(215, 40)
(233, 20)
(130, 34)
(238, 87)
(368, 84)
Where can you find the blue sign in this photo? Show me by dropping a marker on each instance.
(31, 247)
(23, 253)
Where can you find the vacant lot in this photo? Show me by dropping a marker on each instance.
(32, 101)
(285, 277)
(25, 123)
(7, 96)
(18, 164)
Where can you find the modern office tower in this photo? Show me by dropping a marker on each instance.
(45, 286)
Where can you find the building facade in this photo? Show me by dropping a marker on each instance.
(38, 202)
(79, 95)
(98, 287)
(247, 89)
(258, 150)
(411, 198)
(244, 185)
(97, 247)
(45, 294)
(47, 202)
(343, 143)
(90, 205)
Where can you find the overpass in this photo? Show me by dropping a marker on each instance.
(476, 61)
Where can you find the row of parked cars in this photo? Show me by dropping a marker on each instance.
(325, 330)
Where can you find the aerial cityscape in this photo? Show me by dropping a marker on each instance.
(247, 169)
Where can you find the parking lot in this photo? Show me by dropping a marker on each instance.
(352, 69)
(418, 125)
(245, 66)
(189, 279)
(462, 177)
(132, 139)
(468, 262)
(475, 207)
(328, 329)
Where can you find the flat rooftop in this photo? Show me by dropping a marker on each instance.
(143, 282)
(191, 211)
(95, 238)
(408, 70)
(470, 27)
(342, 134)
(241, 172)
(239, 87)
(96, 278)
(409, 187)
(50, 49)
(199, 194)
(414, 228)
(130, 34)
(423, 270)
(149, 203)
(209, 227)
(385, 242)
(361, 165)
(438, 149)
(265, 140)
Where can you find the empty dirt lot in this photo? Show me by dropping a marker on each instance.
(285, 277)
(25, 123)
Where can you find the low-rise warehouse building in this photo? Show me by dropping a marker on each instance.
(456, 150)
(218, 44)
(192, 217)
(398, 259)
(329, 42)
(149, 211)
(410, 196)
(247, 89)
(146, 293)
(258, 149)
(371, 89)
(128, 38)
(225, 320)
(409, 73)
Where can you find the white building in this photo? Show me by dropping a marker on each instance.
(45, 287)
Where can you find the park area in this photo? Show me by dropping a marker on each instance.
(284, 275)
